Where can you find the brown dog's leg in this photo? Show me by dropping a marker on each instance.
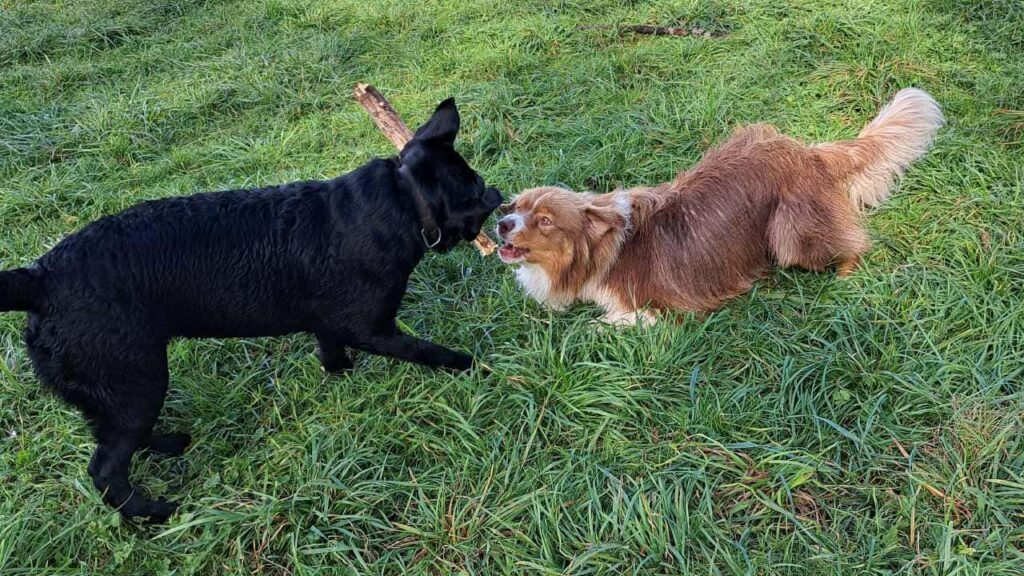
(815, 231)
(847, 266)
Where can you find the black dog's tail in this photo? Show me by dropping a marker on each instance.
(20, 289)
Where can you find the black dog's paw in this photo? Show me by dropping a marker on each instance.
(172, 444)
(145, 511)
(338, 366)
(335, 360)
(159, 511)
(457, 361)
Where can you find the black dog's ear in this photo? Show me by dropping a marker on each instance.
(443, 125)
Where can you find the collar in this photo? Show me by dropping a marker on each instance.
(429, 228)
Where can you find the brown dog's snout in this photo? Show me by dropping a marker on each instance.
(505, 225)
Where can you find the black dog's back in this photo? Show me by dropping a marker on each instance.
(238, 263)
(330, 258)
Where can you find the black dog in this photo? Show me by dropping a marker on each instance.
(331, 258)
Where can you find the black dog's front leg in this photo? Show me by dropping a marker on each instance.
(333, 355)
(397, 344)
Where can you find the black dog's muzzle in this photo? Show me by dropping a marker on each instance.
(492, 199)
(474, 221)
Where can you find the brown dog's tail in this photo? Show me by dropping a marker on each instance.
(900, 134)
(20, 289)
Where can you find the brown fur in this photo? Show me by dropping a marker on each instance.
(758, 200)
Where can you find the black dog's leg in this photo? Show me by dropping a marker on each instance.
(109, 470)
(133, 387)
(333, 355)
(169, 444)
(397, 344)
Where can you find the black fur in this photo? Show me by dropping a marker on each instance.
(330, 258)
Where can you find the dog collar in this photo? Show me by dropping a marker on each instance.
(427, 221)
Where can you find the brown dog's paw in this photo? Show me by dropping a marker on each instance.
(847, 267)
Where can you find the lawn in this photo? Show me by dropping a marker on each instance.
(814, 426)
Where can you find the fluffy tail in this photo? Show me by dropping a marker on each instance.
(20, 289)
(900, 134)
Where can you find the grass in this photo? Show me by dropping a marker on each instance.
(814, 426)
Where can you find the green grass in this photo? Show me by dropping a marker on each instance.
(814, 426)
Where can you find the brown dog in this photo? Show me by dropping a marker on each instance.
(760, 199)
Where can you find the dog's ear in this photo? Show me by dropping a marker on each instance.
(443, 125)
(602, 220)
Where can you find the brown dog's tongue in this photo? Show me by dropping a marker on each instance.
(511, 251)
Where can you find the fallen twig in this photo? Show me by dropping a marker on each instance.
(695, 31)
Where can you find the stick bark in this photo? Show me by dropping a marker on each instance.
(696, 31)
(391, 125)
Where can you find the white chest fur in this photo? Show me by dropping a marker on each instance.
(536, 283)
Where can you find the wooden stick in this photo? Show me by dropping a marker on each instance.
(391, 125)
(658, 30)
(696, 31)
(384, 116)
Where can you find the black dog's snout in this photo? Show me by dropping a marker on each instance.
(492, 196)
(505, 225)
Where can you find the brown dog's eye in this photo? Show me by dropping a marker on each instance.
(544, 221)
(506, 209)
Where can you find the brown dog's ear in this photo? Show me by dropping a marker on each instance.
(602, 220)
